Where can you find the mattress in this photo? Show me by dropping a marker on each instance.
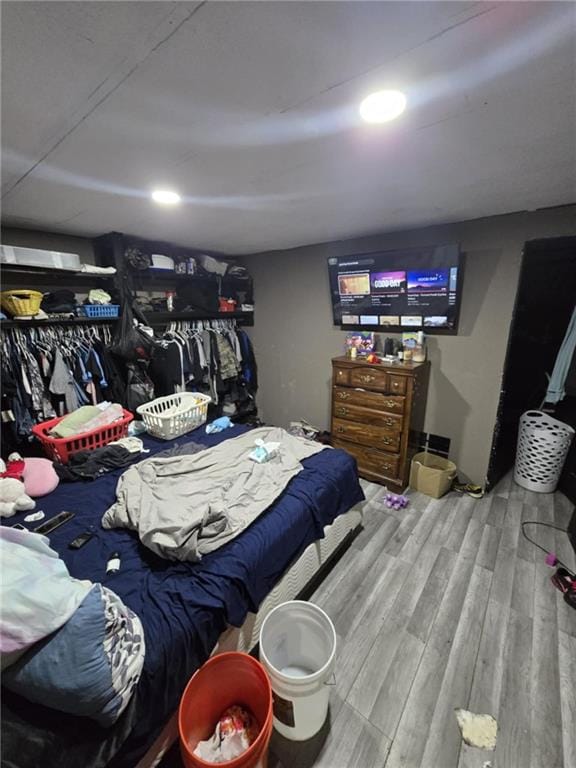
(184, 607)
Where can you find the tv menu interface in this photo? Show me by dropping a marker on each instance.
(397, 289)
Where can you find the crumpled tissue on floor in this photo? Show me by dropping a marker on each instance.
(477, 730)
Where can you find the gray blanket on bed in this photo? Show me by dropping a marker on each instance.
(186, 506)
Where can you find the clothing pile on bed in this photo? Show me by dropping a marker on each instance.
(186, 506)
(71, 645)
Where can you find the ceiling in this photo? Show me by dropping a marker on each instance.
(249, 110)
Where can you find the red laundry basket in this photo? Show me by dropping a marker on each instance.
(225, 679)
(61, 448)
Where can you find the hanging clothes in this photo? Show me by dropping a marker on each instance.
(209, 356)
(50, 371)
(555, 392)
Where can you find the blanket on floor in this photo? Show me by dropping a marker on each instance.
(185, 506)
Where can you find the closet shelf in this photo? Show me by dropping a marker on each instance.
(167, 277)
(53, 271)
(33, 323)
(70, 275)
(161, 318)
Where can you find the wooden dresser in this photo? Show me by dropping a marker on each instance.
(374, 409)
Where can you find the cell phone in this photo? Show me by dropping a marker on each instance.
(79, 541)
(20, 527)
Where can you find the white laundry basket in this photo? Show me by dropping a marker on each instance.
(298, 649)
(174, 415)
(543, 443)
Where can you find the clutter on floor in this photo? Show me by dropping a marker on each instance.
(564, 579)
(431, 474)
(394, 501)
(477, 730)
(469, 489)
(235, 731)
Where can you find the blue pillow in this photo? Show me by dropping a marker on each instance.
(90, 666)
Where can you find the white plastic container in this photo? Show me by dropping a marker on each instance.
(162, 262)
(211, 264)
(298, 649)
(174, 415)
(543, 444)
(34, 257)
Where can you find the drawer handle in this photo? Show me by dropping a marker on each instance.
(387, 441)
(341, 373)
(390, 403)
(367, 378)
(395, 385)
(343, 395)
(339, 429)
(342, 411)
(389, 422)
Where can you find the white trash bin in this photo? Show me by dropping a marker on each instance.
(543, 444)
(298, 649)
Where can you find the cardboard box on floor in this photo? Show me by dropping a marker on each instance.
(431, 474)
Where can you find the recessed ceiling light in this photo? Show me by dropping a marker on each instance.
(382, 106)
(166, 197)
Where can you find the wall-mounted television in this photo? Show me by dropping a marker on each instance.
(401, 290)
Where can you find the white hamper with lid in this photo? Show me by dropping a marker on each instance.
(543, 443)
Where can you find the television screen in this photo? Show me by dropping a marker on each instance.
(411, 288)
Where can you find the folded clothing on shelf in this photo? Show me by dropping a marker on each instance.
(59, 301)
(98, 296)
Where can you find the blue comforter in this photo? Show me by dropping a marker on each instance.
(184, 607)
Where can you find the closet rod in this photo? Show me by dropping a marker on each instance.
(32, 323)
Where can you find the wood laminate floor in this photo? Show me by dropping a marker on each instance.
(445, 605)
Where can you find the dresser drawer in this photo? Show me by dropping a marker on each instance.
(368, 416)
(341, 375)
(396, 384)
(376, 400)
(371, 461)
(379, 437)
(369, 377)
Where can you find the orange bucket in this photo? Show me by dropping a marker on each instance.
(226, 679)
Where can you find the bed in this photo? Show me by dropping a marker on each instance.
(187, 610)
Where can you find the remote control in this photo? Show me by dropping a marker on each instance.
(54, 522)
(79, 541)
